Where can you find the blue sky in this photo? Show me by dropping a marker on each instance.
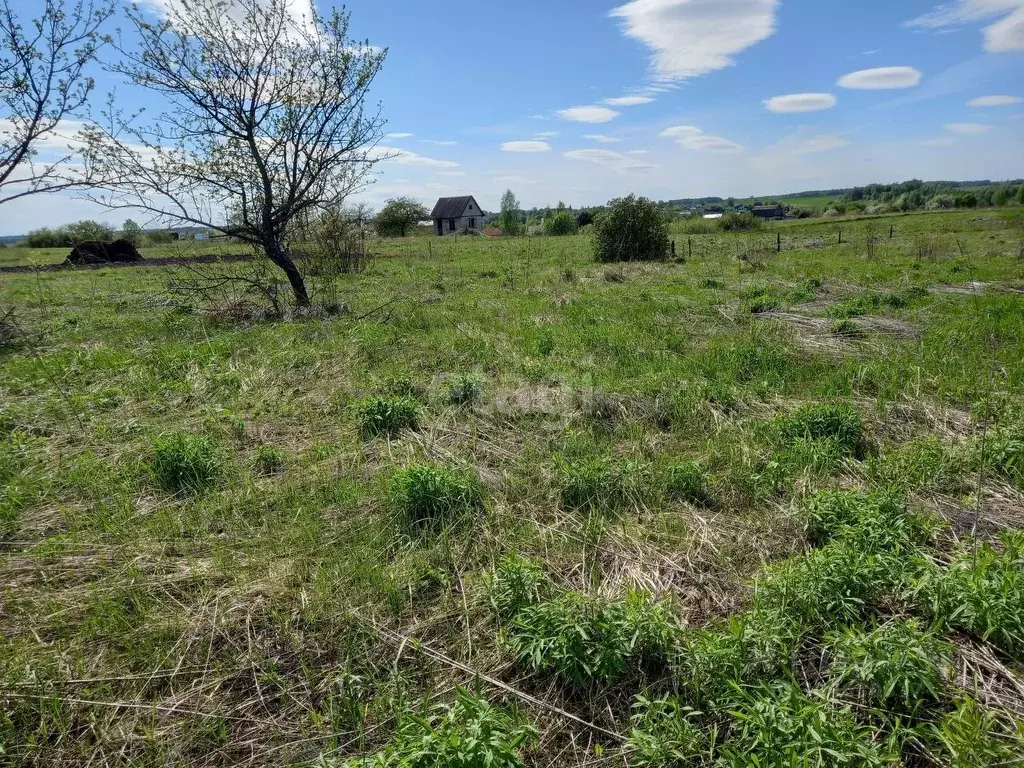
(585, 100)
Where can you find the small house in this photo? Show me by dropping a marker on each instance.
(769, 211)
(454, 214)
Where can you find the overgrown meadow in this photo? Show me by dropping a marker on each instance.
(760, 505)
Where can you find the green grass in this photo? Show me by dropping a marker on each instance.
(714, 532)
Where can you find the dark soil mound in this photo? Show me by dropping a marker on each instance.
(95, 252)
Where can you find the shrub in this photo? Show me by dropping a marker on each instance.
(632, 229)
(685, 481)
(561, 223)
(430, 498)
(981, 593)
(185, 463)
(823, 421)
(739, 222)
(517, 583)
(269, 459)
(663, 733)
(778, 726)
(464, 389)
(386, 415)
(895, 666)
(469, 733)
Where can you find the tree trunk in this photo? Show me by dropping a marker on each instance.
(281, 258)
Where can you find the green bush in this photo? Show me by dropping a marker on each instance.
(561, 223)
(469, 733)
(825, 421)
(685, 481)
(517, 583)
(430, 498)
(386, 415)
(185, 463)
(897, 666)
(632, 229)
(664, 733)
(876, 522)
(269, 460)
(464, 389)
(739, 222)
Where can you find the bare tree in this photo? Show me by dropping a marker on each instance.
(42, 83)
(267, 121)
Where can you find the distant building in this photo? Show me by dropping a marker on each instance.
(454, 214)
(713, 215)
(769, 211)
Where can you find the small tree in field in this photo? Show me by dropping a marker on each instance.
(267, 121)
(398, 216)
(508, 219)
(562, 222)
(632, 229)
(42, 84)
(131, 232)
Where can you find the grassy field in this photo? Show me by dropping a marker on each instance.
(515, 507)
(18, 255)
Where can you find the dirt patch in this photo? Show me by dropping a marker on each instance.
(967, 289)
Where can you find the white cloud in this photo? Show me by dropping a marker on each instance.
(695, 139)
(694, 37)
(800, 102)
(822, 144)
(995, 101)
(637, 152)
(407, 157)
(393, 136)
(525, 146)
(628, 101)
(945, 141)
(615, 160)
(882, 78)
(446, 143)
(451, 173)
(546, 134)
(966, 128)
(1006, 34)
(591, 114)
(600, 138)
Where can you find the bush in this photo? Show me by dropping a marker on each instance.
(269, 459)
(430, 498)
(739, 222)
(632, 229)
(663, 733)
(469, 733)
(185, 463)
(464, 389)
(824, 421)
(386, 415)
(517, 583)
(896, 666)
(875, 523)
(561, 223)
(685, 481)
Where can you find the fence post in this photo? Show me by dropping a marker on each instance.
(840, 235)
(689, 248)
(892, 228)
(778, 242)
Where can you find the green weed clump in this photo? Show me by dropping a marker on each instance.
(896, 666)
(603, 485)
(825, 421)
(974, 737)
(584, 640)
(431, 498)
(269, 460)
(517, 583)
(1004, 453)
(469, 733)
(386, 415)
(464, 389)
(776, 725)
(875, 522)
(920, 465)
(980, 592)
(847, 329)
(186, 463)
(663, 733)
(867, 303)
(761, 303)
(686, 481)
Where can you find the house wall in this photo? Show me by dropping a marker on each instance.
(463, 222)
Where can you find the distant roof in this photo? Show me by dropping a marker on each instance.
(767, 207)
(450, 207)
(713, 215)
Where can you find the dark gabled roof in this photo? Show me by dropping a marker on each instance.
(451, 207)
(767, 207)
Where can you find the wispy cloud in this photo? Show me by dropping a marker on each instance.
(966, 129)
(589, 114)
(442, 143)
(407, 157)
(525, 146)
(943, 141)
(822, 144)
(628, 101)
(995, 101)
(882, 78)
(693, 37)
(695, 139)
(546, 134)
(614, 160)
(393, 136)
(800, 102)
(600, 138)
(1006, 34)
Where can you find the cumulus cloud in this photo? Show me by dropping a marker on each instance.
(591, 114)
(695, 139)
(995, 101)
(615, 160)
(1006, 34)
(968, 129)
(693, 37)
(628, 101)
(600, 138)
(822, 144)
(882, 78)
(525, 146)
(800, 102)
